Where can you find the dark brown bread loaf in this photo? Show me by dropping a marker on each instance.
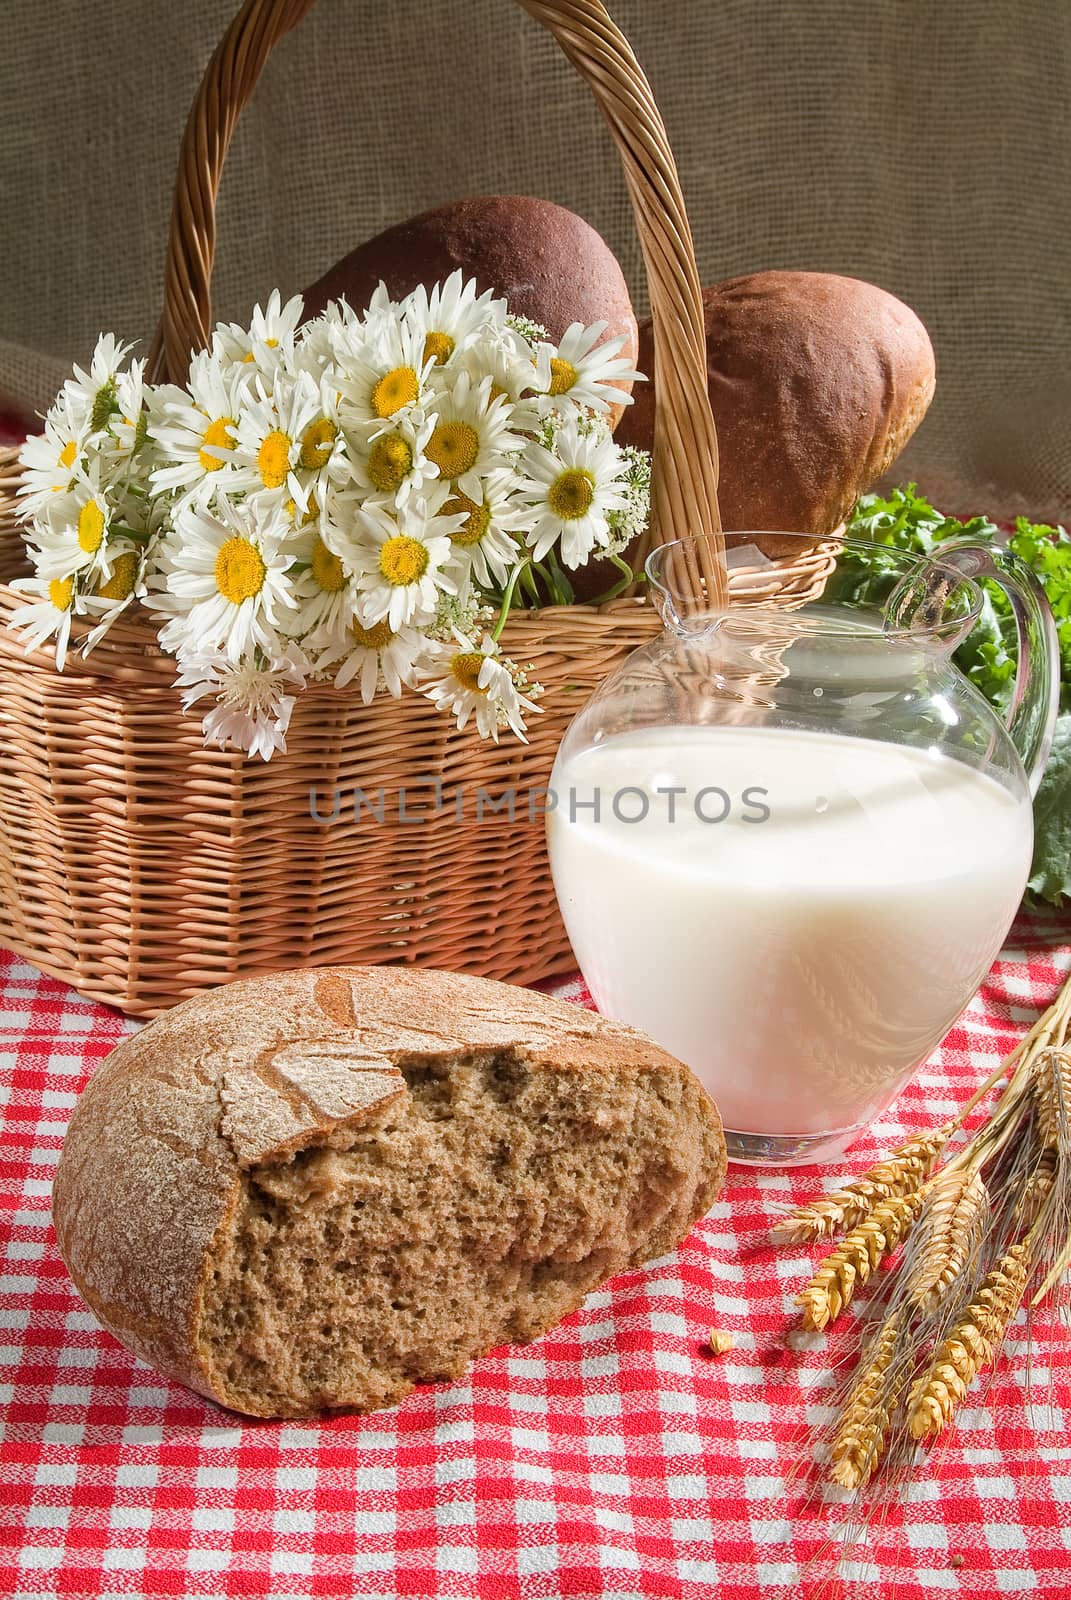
(549, 264)
(816, 382)
(317, 1189)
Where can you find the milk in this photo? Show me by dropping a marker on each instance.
(808, 925)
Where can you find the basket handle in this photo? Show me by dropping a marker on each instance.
(684, 497)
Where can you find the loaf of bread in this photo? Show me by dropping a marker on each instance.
(548, 263)
(314, 1190)
(816, 383)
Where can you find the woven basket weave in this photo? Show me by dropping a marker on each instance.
(139, 866)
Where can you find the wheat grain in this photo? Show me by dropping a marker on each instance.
(971, 1345)
(851, 1263)
(863, 1428)
(719, 1342)
(900, 1173)
(956, 1206)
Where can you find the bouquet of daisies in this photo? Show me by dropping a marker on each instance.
(358, 498)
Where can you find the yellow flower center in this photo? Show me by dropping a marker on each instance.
(438, 347)
(571, 494)
(377, 638)
(395, 389)
(60, 591)
(465, 667)
(90, 527)
(403, 560)
(498, 393)
(390, 462)
(121, 583)
(476, 520)
(454, 447)
(317, 443)
(273, 459)
(68, 453)
(327, 568)
(562, 376)
(240, 570)
(217, 435)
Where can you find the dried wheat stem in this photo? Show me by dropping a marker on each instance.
(855, 1258)
(971, 1345)
(863, 1429)
(957, 1203)
(900, 1173)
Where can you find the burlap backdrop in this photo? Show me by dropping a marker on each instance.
(924, 144)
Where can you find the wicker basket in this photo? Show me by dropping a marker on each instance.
(139, 866)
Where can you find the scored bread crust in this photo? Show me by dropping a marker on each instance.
(152, 1164)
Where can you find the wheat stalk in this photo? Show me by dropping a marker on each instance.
(983, 1223)
(855, 1258)
(898, 1174)
(971, 1345)
(957, 1204)
(863, 1428)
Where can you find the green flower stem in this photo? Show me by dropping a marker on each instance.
(627, 578)
(507, 599)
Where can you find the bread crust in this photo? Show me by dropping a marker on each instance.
(152, 1161)
(816, 383)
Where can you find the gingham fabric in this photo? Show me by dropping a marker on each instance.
(611, 1458)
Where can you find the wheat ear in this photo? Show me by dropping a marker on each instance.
(957, 1204)
(859, 1442)
(855, 1258)
(971, 1345)
(900, 1173)
(1052, 1090)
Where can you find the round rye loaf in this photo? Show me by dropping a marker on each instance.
(549, 264)
(816, 383)
(314, 1190)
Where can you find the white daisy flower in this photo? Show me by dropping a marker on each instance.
(253, 703)
(323, 591)
(129, 426)
(50, 616)
(569, 492)
(475, 681)
(484, 547)
(588, 373)
(49, 459)
(511, 364)
(451, 316)
(195, 430)
(93, 393)
(381, 372)
(392, 464)
(378, 656)
(223, 580)
(268, 343)
(75, 539)
(472, 433)
(398, 560)
(280, 433)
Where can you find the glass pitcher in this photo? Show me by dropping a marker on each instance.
(789, 842)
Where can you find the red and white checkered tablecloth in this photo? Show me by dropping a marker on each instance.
(611, 1458)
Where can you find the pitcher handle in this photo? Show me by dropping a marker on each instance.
(1031, 717)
